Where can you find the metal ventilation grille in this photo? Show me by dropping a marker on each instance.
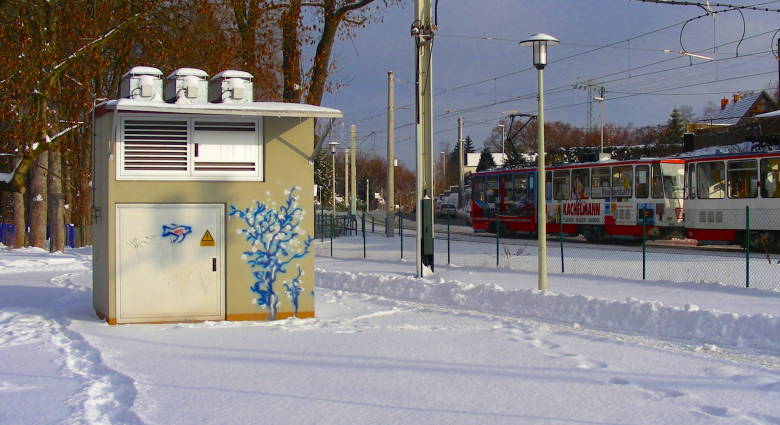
(155, 145)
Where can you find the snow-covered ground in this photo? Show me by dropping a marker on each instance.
(468, 346)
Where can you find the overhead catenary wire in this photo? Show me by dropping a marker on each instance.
(594, 49)
(707, 5)
(562, 89)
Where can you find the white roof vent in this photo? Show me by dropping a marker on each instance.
(231, 87)
(142, 83)
(187, 85)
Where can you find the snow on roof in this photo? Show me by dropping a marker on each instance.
(769, 114)
(734, 111)
(142, 70)
(231, 73)
(266, 109)
(184, 72)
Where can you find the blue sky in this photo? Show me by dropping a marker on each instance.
(638, 90)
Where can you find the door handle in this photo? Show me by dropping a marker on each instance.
(214, 264)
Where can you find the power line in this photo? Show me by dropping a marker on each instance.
(594, 49)
(708, 6)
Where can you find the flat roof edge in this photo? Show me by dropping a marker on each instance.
(270, 109)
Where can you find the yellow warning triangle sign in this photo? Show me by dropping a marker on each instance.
(207, 239)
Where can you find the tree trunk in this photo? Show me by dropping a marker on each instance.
(85, 191)
(56, 204)
(67, 185)
(37, 197)
(19, 223)
(319, 69)
(291, 53)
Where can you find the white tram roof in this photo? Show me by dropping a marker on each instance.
(675, 160)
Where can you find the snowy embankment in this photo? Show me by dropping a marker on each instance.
(754, 331)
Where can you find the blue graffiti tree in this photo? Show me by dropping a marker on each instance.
(276, 241)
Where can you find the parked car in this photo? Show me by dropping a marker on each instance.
(447, 210)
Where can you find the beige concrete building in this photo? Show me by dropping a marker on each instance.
(203, 211)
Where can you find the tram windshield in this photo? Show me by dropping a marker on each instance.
(673, 180)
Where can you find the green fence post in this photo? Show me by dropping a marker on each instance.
(363, 228)
(747, 246)
(448, 239)
(560, 231)
(644, 242)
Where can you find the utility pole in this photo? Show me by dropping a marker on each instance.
(443, 171)
(390, 219)
(346, 180)
(368, 199)
(590, 87)
(461, 154)
(353, 176)
(422, 33)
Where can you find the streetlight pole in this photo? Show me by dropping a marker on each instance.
(443, 171)
(390, 192)
(539, 42)
(601, 99)
(502, 137)
(352, 170)
(332, 192)
(461, 156)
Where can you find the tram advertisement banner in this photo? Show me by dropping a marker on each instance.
(576, 213)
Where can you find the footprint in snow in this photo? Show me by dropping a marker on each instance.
(723, 412)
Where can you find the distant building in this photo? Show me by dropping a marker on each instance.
(734, 123)
(741, 108)
(472, 159)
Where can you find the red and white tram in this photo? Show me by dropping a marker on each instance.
(718, 188)
(598, 200)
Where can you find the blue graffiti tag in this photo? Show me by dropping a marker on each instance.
(177, 232)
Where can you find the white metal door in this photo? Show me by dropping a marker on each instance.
(170, 262)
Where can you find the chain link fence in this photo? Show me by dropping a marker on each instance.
(747, 256)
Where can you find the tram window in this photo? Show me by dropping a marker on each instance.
(477, 190)
(642, 183)
(711, 179)
(561, 188)
(743, 181)
(656, 182)
(770, 178)
(621, 181)
(579, 184)
(599, 182)
(673, 178)
(519, 189)
(548, 184)
(691, 182)
(491, 192)
(505, 185)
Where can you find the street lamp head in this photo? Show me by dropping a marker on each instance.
(599, 98)
(539, 42)
(333, 147)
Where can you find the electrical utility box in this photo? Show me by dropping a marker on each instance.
(202, 211)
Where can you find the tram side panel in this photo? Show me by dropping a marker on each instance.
(718, 190)
(595, 200)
